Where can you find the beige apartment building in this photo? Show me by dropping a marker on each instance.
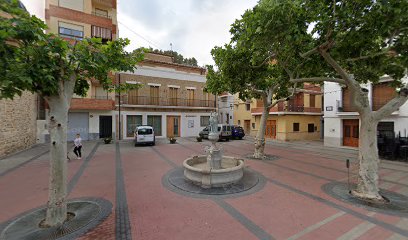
(91, 116)
(171, 98)
(297, 119)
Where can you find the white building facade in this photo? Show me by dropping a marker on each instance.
(226, 108)
(342, 123)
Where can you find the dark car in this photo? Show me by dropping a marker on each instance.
(204, 133)
(237, 132)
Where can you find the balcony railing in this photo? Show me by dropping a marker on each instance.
(158, 101)
(101, 15)
(296, 108)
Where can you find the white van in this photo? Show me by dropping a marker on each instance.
(144, 135)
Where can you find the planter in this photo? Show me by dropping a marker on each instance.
(107, 140)
(199, 139)
(172, 140)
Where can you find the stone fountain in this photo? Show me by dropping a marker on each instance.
(213, 170)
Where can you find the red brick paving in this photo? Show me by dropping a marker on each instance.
(157, 213)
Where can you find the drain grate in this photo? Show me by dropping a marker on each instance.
(88, 214)
(397, 205)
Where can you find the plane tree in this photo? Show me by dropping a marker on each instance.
(350, 43)
(55, 69)
(261, 61)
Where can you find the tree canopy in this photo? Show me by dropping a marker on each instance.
(38, 62)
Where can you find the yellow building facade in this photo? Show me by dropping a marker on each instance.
(297, 119)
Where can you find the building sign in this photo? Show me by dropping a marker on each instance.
(190, 123)
(329, 108)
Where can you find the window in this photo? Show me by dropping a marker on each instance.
(156, 123)
(100, 32)
(204, 121)
(133, 97)
(173, 96)
(296, 127)
(101, 12)
(132, 121)
(154, 95)
(253, 125)
(310, 127)
(72, 4)
(312, 101)
(145, 131)
(190, 97)
(239, 122)
(248, 106)
(72, 31)
(228, 118)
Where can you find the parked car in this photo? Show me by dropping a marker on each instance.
(237, 132)
(225, 132)
(204, 133)
(223, 129)
(144, 135)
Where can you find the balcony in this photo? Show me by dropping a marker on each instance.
(105, 3)
(101, 32)
(166, 102)
(99, 14)
(289, 109)
(93, 103)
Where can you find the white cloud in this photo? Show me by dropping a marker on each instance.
(194, 27)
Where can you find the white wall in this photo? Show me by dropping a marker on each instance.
(333, 119)
(185, 130)
(224, 108)
(168, 73)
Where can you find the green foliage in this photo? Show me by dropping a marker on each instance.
(38, 62)
(263, 51)
(177, 57)
(369, 38)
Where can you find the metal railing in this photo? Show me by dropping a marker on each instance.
(297, 108)
(101, 15)
(159, 101)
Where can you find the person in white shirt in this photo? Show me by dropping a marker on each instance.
(78, 146)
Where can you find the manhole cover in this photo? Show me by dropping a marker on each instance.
(398, 204)
(250, 183)
(89, 212)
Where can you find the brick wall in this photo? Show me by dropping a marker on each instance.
(18, 126)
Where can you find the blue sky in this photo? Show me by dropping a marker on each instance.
(193, 27)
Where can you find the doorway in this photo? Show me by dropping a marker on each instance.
(173, 126)
(270, 130)
(105, 126)
(247, 127)
(351, 132)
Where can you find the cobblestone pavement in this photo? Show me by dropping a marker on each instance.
(291, 205)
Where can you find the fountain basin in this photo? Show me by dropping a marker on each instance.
(197, 170)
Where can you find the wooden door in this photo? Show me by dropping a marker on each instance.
(190, 97)
(247, 127)
(154, 95)
(351, 132)
(173, 96)
(173, 126)
(270, 130)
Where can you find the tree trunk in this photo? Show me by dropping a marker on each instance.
(57, 125)
(260, 136)
(367, 184)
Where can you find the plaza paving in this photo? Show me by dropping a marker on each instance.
(290, 205)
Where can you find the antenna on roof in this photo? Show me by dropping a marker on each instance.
(171, 47)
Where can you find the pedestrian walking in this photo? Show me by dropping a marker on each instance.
(78, 146)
